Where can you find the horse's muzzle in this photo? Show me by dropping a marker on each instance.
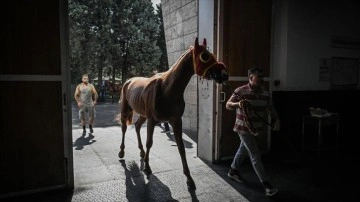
(219, 74)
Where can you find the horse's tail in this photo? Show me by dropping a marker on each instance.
(129, 118)
(126, 113)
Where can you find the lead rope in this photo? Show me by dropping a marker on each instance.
(246, 106)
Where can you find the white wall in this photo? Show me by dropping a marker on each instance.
(302, 36)
(183, 21)
(206, 87)
(180, 24)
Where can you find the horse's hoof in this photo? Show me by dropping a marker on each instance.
(121, 154)
(191, 185)
(147, 171)
(142, 154)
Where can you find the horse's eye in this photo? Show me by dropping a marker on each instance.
(204, 57)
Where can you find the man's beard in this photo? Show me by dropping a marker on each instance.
(255, 87)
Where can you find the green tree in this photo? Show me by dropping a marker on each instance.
(161, 42)
(113, 37)
(100, 29)
(139, 30)
(78, 26)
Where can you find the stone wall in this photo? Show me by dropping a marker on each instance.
(181, 29)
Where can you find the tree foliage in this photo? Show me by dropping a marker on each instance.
(116, 38)
(161, 43)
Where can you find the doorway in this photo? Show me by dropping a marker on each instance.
(35, 129)
(245, 40)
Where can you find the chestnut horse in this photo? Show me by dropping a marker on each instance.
(160, 98)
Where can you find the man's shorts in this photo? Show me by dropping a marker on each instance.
(87, 112)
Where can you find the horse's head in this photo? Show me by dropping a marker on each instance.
(205, 64)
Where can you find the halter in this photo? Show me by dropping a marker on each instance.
(199, 64)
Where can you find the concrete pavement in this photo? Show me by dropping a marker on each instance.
(101, 176)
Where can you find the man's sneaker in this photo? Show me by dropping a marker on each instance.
(91, 129)
(84, 132)
(235, 175)
(269, 189)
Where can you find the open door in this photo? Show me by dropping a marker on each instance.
(35, 127)
(244, 38)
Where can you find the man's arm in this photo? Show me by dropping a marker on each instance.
(94, 94)
(233, 102)
(274, 116)
(76, 94)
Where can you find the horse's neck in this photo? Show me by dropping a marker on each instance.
(180, 74)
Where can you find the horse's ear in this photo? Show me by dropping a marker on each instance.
(204, 42)
(196, 43)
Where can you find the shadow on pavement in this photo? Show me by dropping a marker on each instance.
(83, 141)
(136, 187)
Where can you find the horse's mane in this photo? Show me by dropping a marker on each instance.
(166, 74)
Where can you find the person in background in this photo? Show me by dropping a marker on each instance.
(86, 97)
(102, 89)
(111, 91)
(260, 103)
(166, 128)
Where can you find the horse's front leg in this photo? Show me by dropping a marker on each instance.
(149, 143)
(177, 129)
(138, 125)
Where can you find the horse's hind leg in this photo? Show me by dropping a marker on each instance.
(149, 143)
(126, 116)
(177, 129)
(122, 146)
(138, 125)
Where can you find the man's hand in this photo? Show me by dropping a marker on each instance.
(276, 126)
(243, 103)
